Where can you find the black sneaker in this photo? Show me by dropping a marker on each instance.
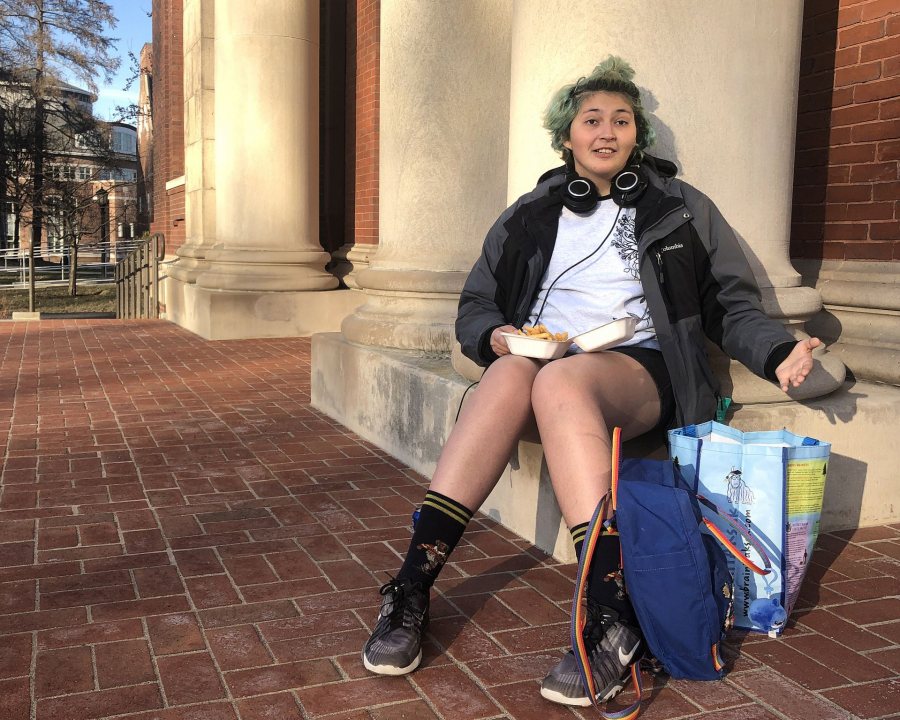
(395, 647)
(611, 646)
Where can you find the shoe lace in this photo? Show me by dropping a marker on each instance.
(402, 612)
(599, 620)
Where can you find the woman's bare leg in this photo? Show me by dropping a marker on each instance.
(577, 401)
(489, 426)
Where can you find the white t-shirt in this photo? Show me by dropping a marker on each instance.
(601, 288)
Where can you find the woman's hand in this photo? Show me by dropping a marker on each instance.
(796, 366)
(498, 342)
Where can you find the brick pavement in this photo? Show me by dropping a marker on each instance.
(182, 537)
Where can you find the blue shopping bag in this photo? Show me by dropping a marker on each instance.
(773, 484)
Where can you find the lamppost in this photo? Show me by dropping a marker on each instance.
(102, 198)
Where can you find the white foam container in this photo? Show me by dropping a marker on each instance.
(538, 349)
(606, 336)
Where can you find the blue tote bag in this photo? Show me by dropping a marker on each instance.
(772, 483)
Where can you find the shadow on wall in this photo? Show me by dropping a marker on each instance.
(546, 524)
(844, 485)
(664, 147)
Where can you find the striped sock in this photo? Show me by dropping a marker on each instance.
(441, 524)
(578, 533)
(603, 581)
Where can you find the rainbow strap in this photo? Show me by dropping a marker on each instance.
(599, 524)
(742, 531)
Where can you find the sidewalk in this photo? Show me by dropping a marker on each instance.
(182, 537)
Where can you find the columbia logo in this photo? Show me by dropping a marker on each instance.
(676, 246)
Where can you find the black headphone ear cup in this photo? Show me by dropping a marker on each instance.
(628, 186)
(579, 195)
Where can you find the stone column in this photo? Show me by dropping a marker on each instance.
(266, 125)
(199, 140)
(720, 81)
(443, 148)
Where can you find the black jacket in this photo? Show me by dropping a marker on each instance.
(696, 280)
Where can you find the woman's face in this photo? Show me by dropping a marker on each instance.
(601, 137)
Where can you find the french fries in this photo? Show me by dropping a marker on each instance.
(540, 332)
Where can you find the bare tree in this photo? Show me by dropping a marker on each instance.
(41, 41)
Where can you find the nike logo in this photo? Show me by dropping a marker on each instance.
(625, 658)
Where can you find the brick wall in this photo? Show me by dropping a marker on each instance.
(847, 174)
(168, 121)
(365, 180)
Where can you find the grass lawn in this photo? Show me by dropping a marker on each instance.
(90, 298)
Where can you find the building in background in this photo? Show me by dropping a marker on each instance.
(334, 166)
(90, 180)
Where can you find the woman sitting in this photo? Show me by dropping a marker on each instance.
(611, 234)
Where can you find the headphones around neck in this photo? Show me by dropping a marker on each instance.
(580, 194)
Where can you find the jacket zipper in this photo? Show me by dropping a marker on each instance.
(643, 234)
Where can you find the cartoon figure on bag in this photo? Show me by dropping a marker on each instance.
(737, 490)
(768, 614)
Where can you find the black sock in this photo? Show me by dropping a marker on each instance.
(578, 532)
(605, 583)
(441, 524)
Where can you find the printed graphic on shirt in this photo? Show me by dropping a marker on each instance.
(624, 243)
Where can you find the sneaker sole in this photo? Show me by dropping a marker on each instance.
(392, 669)
(583, 701)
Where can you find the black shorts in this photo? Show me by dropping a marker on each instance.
(653, 363)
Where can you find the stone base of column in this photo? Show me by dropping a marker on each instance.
(407, 405)
(350, 260)
(230, 314)
(262, 270)
(190, 263)
(861, 315)
(412, 310)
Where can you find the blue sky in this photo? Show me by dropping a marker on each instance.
(133, 30)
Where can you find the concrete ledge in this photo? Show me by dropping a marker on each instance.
(407, 404)
(23, 315)
(860, 421)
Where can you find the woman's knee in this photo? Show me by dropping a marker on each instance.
(511, 374)
(553, 387)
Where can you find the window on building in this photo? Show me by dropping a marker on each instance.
(124, 140)
(10, 239)
(84, 172)
(54, 217)
(119, 174)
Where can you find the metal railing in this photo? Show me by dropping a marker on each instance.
(96, 263)
(137, 279)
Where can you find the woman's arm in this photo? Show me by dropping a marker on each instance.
(731, 304)
(478, 315)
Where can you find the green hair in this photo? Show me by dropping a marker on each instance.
(613, 75)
